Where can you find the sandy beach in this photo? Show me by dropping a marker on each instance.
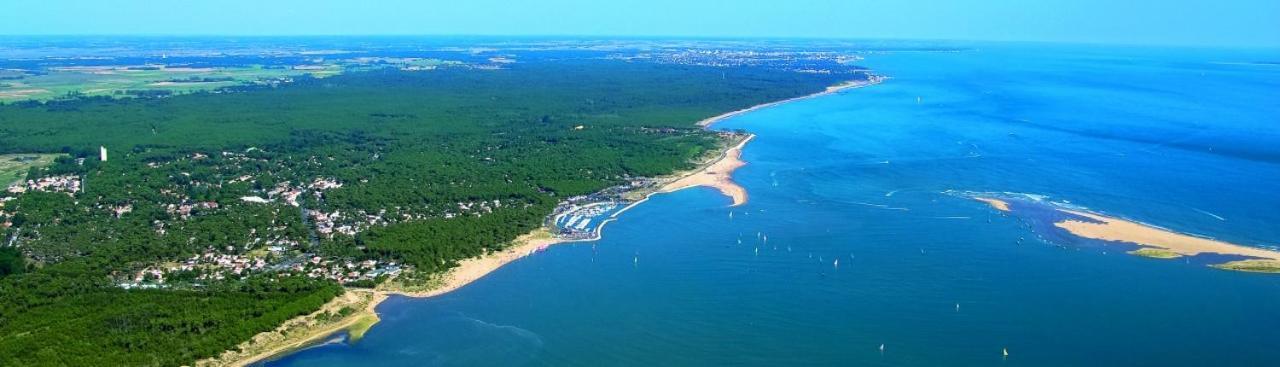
(306, 330)
(716, 174)
(872, 80)
(719, 174)
(472, 269)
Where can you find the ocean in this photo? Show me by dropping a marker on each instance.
(854, 250)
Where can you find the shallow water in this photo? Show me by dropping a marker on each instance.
(1184, 139)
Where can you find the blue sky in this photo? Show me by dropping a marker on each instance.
(1163, 22)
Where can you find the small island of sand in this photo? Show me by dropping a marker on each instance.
(1155, 242)
(1113, 229)
(998, 204)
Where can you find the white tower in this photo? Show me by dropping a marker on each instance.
(102, 153)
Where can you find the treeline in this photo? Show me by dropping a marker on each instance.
(52, 319)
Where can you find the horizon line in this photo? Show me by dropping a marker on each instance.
(645, 37)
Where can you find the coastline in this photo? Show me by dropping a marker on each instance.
(872, 79)
(715, 173)
(473, 269)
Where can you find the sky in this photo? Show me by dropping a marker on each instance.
(1231, 23)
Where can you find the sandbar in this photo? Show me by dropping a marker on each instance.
(1000, 205)
(1112, 229)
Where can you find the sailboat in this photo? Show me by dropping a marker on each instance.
(1005, 351)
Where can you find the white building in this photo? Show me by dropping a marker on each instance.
(102, 153)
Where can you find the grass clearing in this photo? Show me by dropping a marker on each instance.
(14, 167)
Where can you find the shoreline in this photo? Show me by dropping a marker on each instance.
(715, 173)
(872, 79)
(718, 171)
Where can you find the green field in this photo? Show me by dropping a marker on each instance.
(14, 167)
(132, 80)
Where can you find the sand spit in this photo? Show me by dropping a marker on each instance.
(718, 175)
(1112, 229)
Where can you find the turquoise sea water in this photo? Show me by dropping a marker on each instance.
(1185, 139)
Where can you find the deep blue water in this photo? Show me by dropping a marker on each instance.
(1176, 138)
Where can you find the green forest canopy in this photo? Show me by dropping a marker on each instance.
(413, 143)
